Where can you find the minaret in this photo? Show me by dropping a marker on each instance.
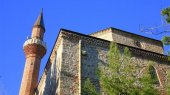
(34, 49)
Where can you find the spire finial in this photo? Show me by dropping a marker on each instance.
(40, 21)
(41, 10)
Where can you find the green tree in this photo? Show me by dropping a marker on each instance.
(166, 14)
(166, 41)
(120, 76)
(88, 88)
(168, 84)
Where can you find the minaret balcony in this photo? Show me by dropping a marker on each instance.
(35, 41)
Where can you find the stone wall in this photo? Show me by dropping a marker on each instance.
(130, 39)
(94, 56)
(104, 34)
(94, 53)
(49, 83)
(69, 78)
(137, 41)
(97, 55)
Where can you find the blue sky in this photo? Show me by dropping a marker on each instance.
(85, 16)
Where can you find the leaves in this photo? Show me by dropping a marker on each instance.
(166, 13)
(88, 88)
(123, 78)
(166, 40)
(120, 76)
(168, 84)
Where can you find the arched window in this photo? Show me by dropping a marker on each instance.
(154, 75)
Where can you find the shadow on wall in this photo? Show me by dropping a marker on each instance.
(51, 81)
(89, 66)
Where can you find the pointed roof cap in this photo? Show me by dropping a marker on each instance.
(40, 21)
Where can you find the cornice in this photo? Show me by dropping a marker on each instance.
(125, 32)
(98, 33)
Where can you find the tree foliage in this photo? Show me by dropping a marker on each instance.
(166, 13)
(88, 88)
(121, 77)
(166, 40)
(168, 84)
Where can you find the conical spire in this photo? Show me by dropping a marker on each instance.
(40, 21)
